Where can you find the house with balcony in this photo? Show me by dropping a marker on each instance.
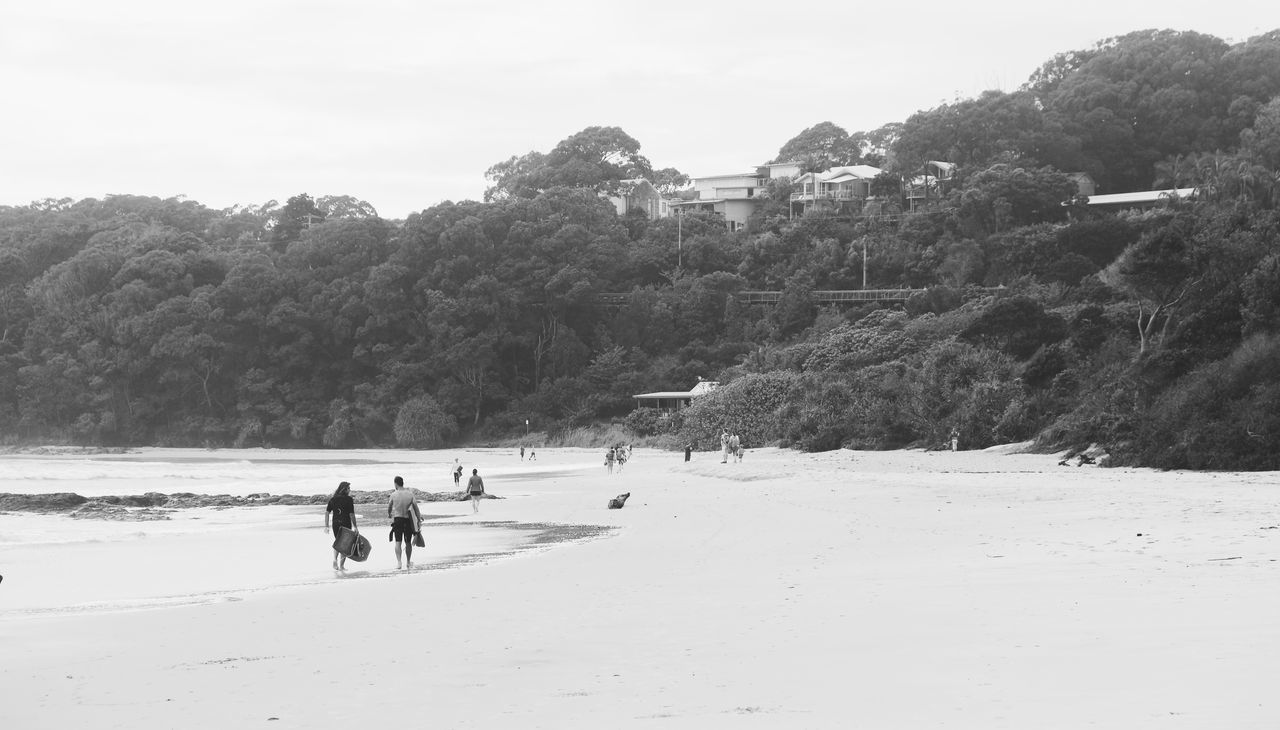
(731, 196)
(734, 196)
(839, 188)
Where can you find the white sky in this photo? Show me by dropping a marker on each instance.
(405, 103)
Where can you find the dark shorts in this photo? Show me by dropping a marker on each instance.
(402, 529)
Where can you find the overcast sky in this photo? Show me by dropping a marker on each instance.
(406, 103)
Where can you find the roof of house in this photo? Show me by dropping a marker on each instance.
(702, 388)
(1143, 196)
(843, 173)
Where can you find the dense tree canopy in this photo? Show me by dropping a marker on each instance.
(1155, 333)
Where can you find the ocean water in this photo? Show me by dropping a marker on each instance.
(52, 563)
(250, 471)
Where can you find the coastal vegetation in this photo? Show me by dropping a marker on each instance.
(1156, 333)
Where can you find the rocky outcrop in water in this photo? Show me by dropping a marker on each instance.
(117, 507)
(101, 511)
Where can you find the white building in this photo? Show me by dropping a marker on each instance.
(847, 183)
(734, 196)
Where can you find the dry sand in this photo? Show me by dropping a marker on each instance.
(840, 590)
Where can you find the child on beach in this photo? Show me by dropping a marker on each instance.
(344, 515)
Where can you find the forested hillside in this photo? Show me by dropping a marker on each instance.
(135, 320)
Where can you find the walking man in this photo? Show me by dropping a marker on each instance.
(475, 488)
(402, 508)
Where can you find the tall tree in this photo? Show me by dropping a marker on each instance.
(824, 145)
(299, 213)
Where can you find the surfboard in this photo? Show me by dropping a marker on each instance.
(355, 546)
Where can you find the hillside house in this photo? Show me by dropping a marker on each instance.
(734, 196)
(838, 187)
(930, 185)
(731, 196)
(640, 194)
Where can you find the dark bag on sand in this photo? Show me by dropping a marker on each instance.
(352, 544)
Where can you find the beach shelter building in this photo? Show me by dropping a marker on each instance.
(673, 400)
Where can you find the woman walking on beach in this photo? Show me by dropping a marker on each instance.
(344, 515)
(475, 488)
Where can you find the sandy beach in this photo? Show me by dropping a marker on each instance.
(847, 589)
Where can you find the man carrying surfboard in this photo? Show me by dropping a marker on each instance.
(402, 508)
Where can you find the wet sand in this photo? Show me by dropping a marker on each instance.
(883, 590)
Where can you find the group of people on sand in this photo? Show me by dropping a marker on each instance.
(402, 511)
(730, 447)
(533, 455)
(617, 454)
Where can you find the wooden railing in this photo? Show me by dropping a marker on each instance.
(829, 195)
(831, 296)
(820, 296)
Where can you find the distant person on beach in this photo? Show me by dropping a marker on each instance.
(724, 447)
(475, 488)
(533, 456)
(688, 451)
(521, 453)
(457, 477)
(955, 438)
(344, 515)
(402, 508)
(735, 447)
(608, 460)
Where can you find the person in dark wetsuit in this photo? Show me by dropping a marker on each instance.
(344, 515)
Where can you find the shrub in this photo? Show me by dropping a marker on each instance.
(1225, 415)
(647, 421)
(421, 423)
(748, 406)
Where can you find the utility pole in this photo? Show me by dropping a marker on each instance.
(680, 238)
(864, 262)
